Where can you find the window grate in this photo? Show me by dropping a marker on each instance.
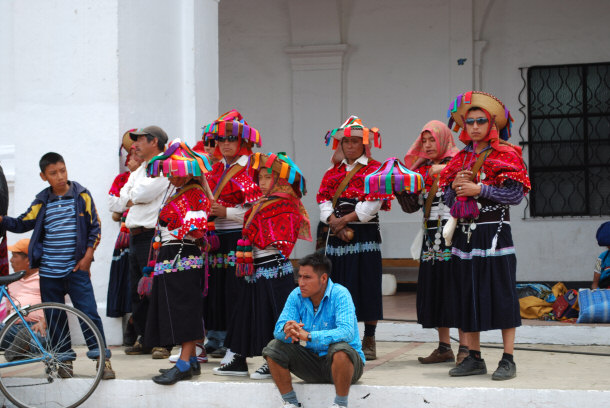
(568, 121)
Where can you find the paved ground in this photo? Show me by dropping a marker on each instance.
(397, 365)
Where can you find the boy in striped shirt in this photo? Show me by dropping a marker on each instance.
(66, 232)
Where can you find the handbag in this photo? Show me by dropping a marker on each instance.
(145, 286)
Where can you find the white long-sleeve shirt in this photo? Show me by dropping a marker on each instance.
(146, 194)
(365, 210)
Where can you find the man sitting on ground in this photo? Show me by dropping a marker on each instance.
(322, 314)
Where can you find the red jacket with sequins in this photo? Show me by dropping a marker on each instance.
(240, 190)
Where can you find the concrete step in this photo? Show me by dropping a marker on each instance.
(547, 376)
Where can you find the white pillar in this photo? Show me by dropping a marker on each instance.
(76, 74)
(316, 59)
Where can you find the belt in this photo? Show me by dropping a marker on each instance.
(138, 230)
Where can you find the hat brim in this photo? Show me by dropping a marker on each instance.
(485, 101)
(15, 248)
(134, 135)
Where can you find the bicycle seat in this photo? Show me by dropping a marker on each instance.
(5, 280)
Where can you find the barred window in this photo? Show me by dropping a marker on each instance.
(569, 139)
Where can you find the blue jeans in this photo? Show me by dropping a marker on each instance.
(78, 286)
(10, 335)
(216, 339)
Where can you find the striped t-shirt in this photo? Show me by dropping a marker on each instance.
(59, 243)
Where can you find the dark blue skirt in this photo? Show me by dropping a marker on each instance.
(487, 280)
(437, 294)
(219, 304)
(357, 266)
(118, 300)
(259, 305)
(175, 312)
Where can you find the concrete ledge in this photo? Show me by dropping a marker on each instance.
(566, 334)
(139, 393)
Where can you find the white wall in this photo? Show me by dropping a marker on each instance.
(76, 74)
(60, 70)
(521, 34)
(400, 71)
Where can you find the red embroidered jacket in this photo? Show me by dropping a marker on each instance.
(497, 167)
(276, 224)
(186, 212)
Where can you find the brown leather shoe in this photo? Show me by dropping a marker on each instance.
(137, 349)
(462, 354)
(369, 348)
(437, 357)
(159, 353)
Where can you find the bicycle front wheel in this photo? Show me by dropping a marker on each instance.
(50, 369)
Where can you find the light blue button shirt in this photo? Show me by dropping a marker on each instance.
(335, 320)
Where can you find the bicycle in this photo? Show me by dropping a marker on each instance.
(39, 368)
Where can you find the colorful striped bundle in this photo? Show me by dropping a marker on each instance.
(179, 160)
(231, 123)
(393, 176)
(353, 127)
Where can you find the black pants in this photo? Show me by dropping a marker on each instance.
(139, 249)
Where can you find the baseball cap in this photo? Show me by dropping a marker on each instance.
(20, 246)
(154, 131)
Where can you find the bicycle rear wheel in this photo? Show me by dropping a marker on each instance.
(63, 376)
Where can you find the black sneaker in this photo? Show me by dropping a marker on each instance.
(469, 366)
(262, 373)
(505, 371)
(236, 367)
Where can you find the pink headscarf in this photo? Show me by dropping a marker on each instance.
(445, 146)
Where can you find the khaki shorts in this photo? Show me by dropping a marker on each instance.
(307, 364)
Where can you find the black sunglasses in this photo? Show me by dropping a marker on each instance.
(480, 121)
(230, 138)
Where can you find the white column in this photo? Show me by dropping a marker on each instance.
(316, 59)
(168, 73)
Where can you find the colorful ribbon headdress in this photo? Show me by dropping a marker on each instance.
(393, 176)
(353, 127)
(178, 160)
(460, 105)
(282, 165)
(231, 123)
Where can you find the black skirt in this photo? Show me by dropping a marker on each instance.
(118, 300)
(258, 307)
(487, 278)
(357, 266)
(437, 286)
(175, 312)
(222, 282)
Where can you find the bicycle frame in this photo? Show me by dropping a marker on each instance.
(45, 354)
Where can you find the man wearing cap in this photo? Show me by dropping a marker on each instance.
(25, 291)
(144, 197)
